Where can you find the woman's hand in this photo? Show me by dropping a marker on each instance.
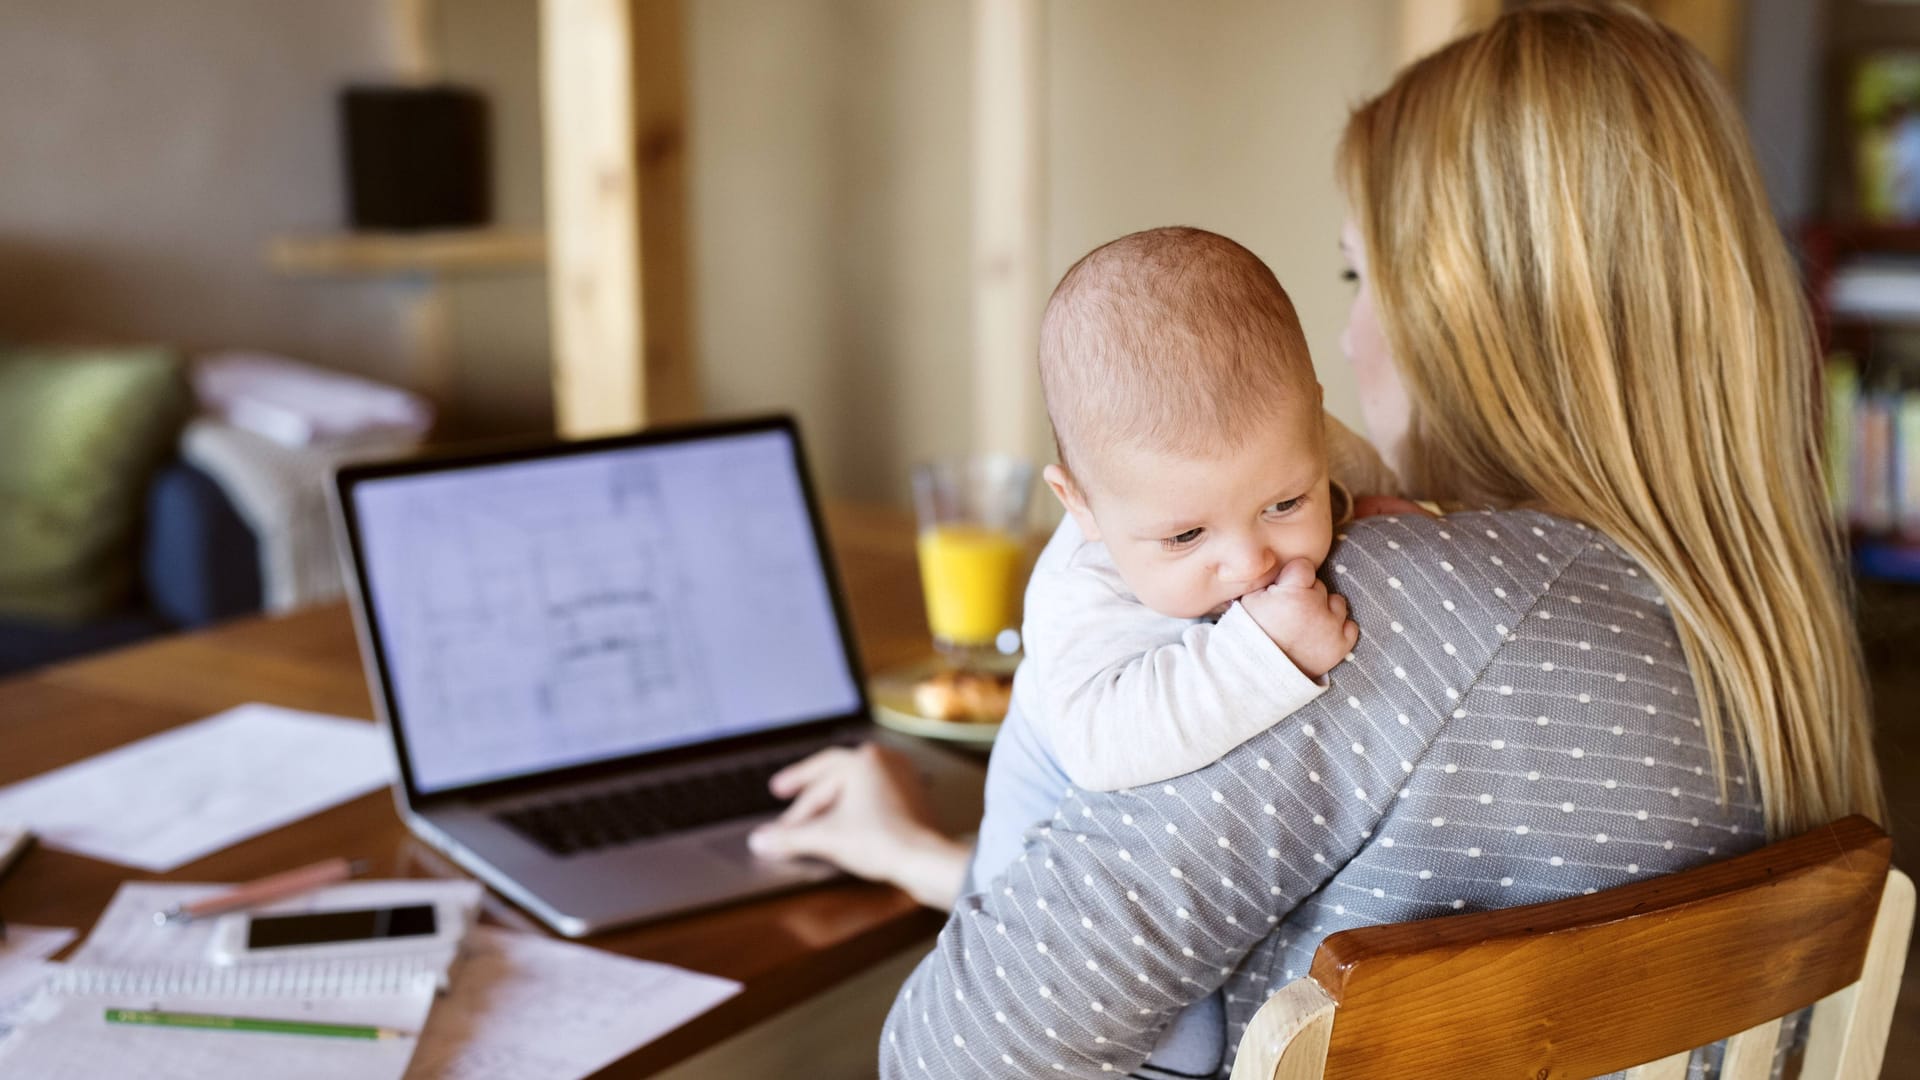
(864, 810)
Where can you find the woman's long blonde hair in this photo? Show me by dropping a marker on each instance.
(1594, 313)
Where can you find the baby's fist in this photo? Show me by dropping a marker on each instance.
(1307, 622)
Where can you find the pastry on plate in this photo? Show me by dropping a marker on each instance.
(975, 697)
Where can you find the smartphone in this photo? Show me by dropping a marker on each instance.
(405, 929)
(333, 927)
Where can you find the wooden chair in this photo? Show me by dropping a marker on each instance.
(1633, 977)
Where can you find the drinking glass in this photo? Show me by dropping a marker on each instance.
(972, 512)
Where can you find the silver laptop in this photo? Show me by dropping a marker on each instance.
(592, 655)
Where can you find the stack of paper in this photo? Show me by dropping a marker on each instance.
(517, 1006)
(130, 961)
(527, 1007)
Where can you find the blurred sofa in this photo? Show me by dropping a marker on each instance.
(197, 564)
(106, 536)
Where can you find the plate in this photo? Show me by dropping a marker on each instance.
(891, 693)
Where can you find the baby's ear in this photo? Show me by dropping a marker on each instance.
(1061, 482)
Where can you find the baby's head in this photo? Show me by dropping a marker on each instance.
(1188, 418)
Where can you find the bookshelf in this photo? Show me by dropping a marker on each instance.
(1875, 389)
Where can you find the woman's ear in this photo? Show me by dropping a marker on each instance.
(1072, 498)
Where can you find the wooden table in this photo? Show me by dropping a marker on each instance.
(784, 949)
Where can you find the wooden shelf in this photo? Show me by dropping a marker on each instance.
(455, 251)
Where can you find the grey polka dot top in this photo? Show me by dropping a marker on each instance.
(1517, 724)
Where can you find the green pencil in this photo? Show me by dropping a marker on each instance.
(206, 1022)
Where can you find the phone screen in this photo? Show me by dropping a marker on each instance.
(327, 927)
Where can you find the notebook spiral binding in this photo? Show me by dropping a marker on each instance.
(315, 979)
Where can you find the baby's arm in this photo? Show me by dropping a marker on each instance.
(1131, 697)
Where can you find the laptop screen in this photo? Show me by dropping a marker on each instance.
(580, 608)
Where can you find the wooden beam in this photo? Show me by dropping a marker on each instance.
(1009, 224)
(416, 57)
(615, 117)
(1425, 25)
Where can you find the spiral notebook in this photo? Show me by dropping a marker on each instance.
(130, 962)
(64, 1032)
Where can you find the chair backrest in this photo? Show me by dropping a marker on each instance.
(1633, 977)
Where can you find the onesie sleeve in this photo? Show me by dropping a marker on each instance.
(1131, 697)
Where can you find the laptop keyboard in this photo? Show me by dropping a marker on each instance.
(568, 826)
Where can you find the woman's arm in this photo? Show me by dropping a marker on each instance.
(1128, 906)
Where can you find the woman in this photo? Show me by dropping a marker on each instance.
(1572, 307)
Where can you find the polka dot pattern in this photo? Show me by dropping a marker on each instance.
(1197, 888)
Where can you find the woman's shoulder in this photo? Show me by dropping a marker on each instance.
(1469, 584)
(1502, 557)
(1480, 531)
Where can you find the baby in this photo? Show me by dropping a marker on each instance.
(1178, 613)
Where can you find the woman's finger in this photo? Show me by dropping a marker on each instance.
(813, 839)
(782, 841)
(788, 781)
(814, 799)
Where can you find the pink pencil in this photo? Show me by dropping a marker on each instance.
(266, 890)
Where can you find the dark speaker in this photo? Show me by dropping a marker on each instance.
(416, 157)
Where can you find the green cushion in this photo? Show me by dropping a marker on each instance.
(81, 432)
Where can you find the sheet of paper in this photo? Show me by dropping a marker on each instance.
(127, 936)
(527, 1007)
(14, 840)
(23, 966)
(165, 801)
(25, 947)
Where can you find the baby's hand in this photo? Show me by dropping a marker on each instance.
(1306, 621)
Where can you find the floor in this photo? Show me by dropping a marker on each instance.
(1890, 628)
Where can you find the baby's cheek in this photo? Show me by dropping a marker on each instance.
(1181, 591)
(1315, 538)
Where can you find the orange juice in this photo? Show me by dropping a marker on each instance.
(970, 575)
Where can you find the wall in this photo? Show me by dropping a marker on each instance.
(830, 188)
(497, 340)
(151, 150)
(1220, 115)
(829, 185)
(1782, 91)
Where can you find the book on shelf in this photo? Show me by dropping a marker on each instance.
(1876, 287)
(1873, 449)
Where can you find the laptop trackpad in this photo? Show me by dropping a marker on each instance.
(732, 846)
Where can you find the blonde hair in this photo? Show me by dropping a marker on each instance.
(1177, 339)
(1594, 314)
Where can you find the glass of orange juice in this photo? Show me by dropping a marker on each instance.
(973, 517)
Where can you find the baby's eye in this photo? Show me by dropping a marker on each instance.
(1184, 539)
(1285, 506)
(1349, 274)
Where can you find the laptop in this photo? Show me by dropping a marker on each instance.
(592, 655)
